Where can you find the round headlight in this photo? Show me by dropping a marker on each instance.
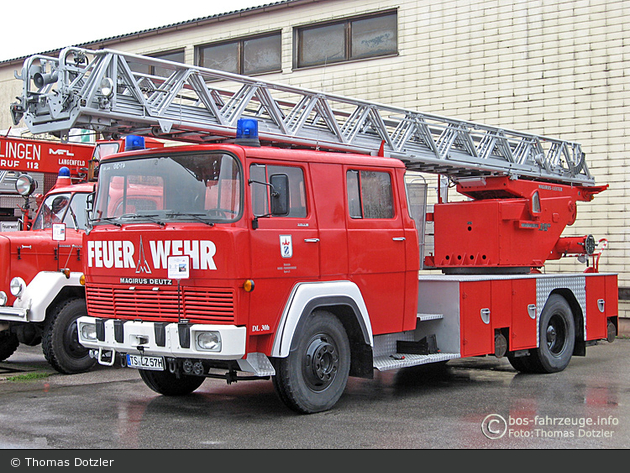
(17, 286)
(107, 87)
(25, 185)
(3, 298)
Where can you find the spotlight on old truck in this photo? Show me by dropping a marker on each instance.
(25, 185)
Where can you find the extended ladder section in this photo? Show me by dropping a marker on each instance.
(103, 91)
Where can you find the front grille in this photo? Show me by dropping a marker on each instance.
(205, 305)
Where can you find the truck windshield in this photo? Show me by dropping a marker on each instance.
(62, 208)
(199, 187)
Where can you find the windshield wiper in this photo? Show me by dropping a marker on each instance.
(112, 220)
(195, 216)
(150, 217)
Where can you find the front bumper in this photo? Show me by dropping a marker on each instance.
(161, 339)
(39, 294)
(14, 314)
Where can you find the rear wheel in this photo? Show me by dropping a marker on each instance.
(60, 341)
(8, 344)
(520, 363)
(314, 375)
(168, 384)
(557, 337)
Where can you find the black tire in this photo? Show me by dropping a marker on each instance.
(8, 344)
(556, 337)
(309, 387)
(521, 363)
(60, 341)
(168, 384)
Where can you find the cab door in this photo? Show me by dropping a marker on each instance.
(377, 246)
(284, 243)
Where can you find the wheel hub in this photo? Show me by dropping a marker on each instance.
(321, 363)
(556, 331)
(71, 341)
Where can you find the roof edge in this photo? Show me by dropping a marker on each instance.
(195, 22)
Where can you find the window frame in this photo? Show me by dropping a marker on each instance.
(163, 55)
(240, 59)
(363, 199)
(348, 55)
(269, 170)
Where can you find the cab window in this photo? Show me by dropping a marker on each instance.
(261, 189)
(62, 208)
(369, 194)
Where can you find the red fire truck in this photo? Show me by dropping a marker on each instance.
(40, 293)
(297, 244)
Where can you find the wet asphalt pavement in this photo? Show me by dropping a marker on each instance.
(479, 403)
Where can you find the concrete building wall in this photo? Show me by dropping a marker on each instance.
(551, 67)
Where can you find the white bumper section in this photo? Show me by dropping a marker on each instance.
(139, 337)
(32, 304)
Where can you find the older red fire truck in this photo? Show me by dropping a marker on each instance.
(289, 239)
(40, 293)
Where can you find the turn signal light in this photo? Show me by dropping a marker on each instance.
(248, 285)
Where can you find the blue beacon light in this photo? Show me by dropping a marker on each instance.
(134, 142)
(247, 132)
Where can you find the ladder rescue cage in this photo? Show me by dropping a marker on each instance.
(102, 91)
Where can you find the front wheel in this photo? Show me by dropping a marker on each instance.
(60, 341)
(557, 337)
(314, 375)
(169, 384)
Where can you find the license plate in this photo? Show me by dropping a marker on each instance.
(155, 363)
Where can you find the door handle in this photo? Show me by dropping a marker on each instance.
(399, 238)
(311, 240)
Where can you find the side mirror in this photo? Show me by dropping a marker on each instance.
(89, 207)
(89, 201)
(279, 194)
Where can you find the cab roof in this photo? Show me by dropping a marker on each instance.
(269, 152)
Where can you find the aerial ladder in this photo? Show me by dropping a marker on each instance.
(101, 90)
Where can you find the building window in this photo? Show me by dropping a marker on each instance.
(175, 56)
(243, 56)
(354, 38)
(370, 194)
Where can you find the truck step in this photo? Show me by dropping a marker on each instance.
(425, 317)
(405, 360)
